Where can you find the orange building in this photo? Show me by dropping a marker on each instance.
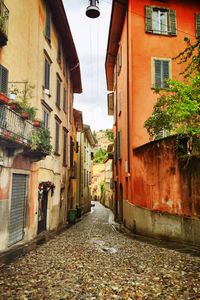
(144, 37)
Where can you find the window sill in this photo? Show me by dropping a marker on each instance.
(162, 34)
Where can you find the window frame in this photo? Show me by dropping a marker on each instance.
(48, 22)
(58, 91)
(65, 146)
(57, 135)
(171, 20)
(47, 72)
(162, 59)
(65, 99)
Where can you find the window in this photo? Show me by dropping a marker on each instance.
(110, 100)
(3, 80)
(160, 20)
(48, 24)
(198, 25)
(47, 74)
(161, 70)
(118, 145)
(119, 104)
(57, 137)
(65, 100)
(64, 147)
(71, 152)
(59, 52)
(58, 92)
(46, 118)
(119, 60)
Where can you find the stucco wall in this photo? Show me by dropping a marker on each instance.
(164, 182)
(161, 225)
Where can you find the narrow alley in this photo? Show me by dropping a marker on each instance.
(92, 260)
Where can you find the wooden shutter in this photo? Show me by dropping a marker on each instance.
(119, 60)
(58, 93)
(57, 138)
(157, 73)
(165, 72)
(64, 147)
(197, 17)
(148, 18)
(48, 24)
(110, 100)
(3, 79)
(47, 74)
(119, 106)
(172, 22)
(64, 100)
(118, 145)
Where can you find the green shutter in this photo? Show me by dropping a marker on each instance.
(165, 72)
(157, 73)
(197, 25)
(148, 18)
(172, 22)
(3, 79)
(119, 145)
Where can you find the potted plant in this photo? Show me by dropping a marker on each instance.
(36, 123)
(16, 106)
(40, 140)
(4, 99)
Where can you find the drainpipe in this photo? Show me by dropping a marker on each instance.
(128, 95)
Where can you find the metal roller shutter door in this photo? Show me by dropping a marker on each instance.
(16, 224)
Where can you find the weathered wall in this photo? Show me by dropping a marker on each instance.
(166, 193)
(163, 182)
(161, 225)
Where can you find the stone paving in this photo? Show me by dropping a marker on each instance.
(92, 260)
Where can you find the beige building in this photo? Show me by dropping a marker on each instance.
(38, 59)
(86, 143)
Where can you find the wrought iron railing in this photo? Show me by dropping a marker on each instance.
(4, 15)
(12, 125)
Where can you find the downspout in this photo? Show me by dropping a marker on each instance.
(128, 95)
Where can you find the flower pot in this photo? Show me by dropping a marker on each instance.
(4, 99)
(36, 123)
(24, 115)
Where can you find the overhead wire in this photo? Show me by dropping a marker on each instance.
(143, 16)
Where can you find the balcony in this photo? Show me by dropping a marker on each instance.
(4, 16)
(16, 132)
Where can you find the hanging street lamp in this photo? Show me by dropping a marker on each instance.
(92, 11)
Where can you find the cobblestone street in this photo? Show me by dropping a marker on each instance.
(92, 260)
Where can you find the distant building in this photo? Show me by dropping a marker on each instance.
(86, 143)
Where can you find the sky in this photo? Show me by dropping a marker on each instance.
(90, 37)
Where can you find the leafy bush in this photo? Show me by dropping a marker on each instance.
(100, 155)
(41, 140)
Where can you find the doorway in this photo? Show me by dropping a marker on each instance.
(42, 211)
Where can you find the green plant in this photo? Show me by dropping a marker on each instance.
(110, 135)
(41, 140)
(24, 96)
(100, 155)
(3, 23)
